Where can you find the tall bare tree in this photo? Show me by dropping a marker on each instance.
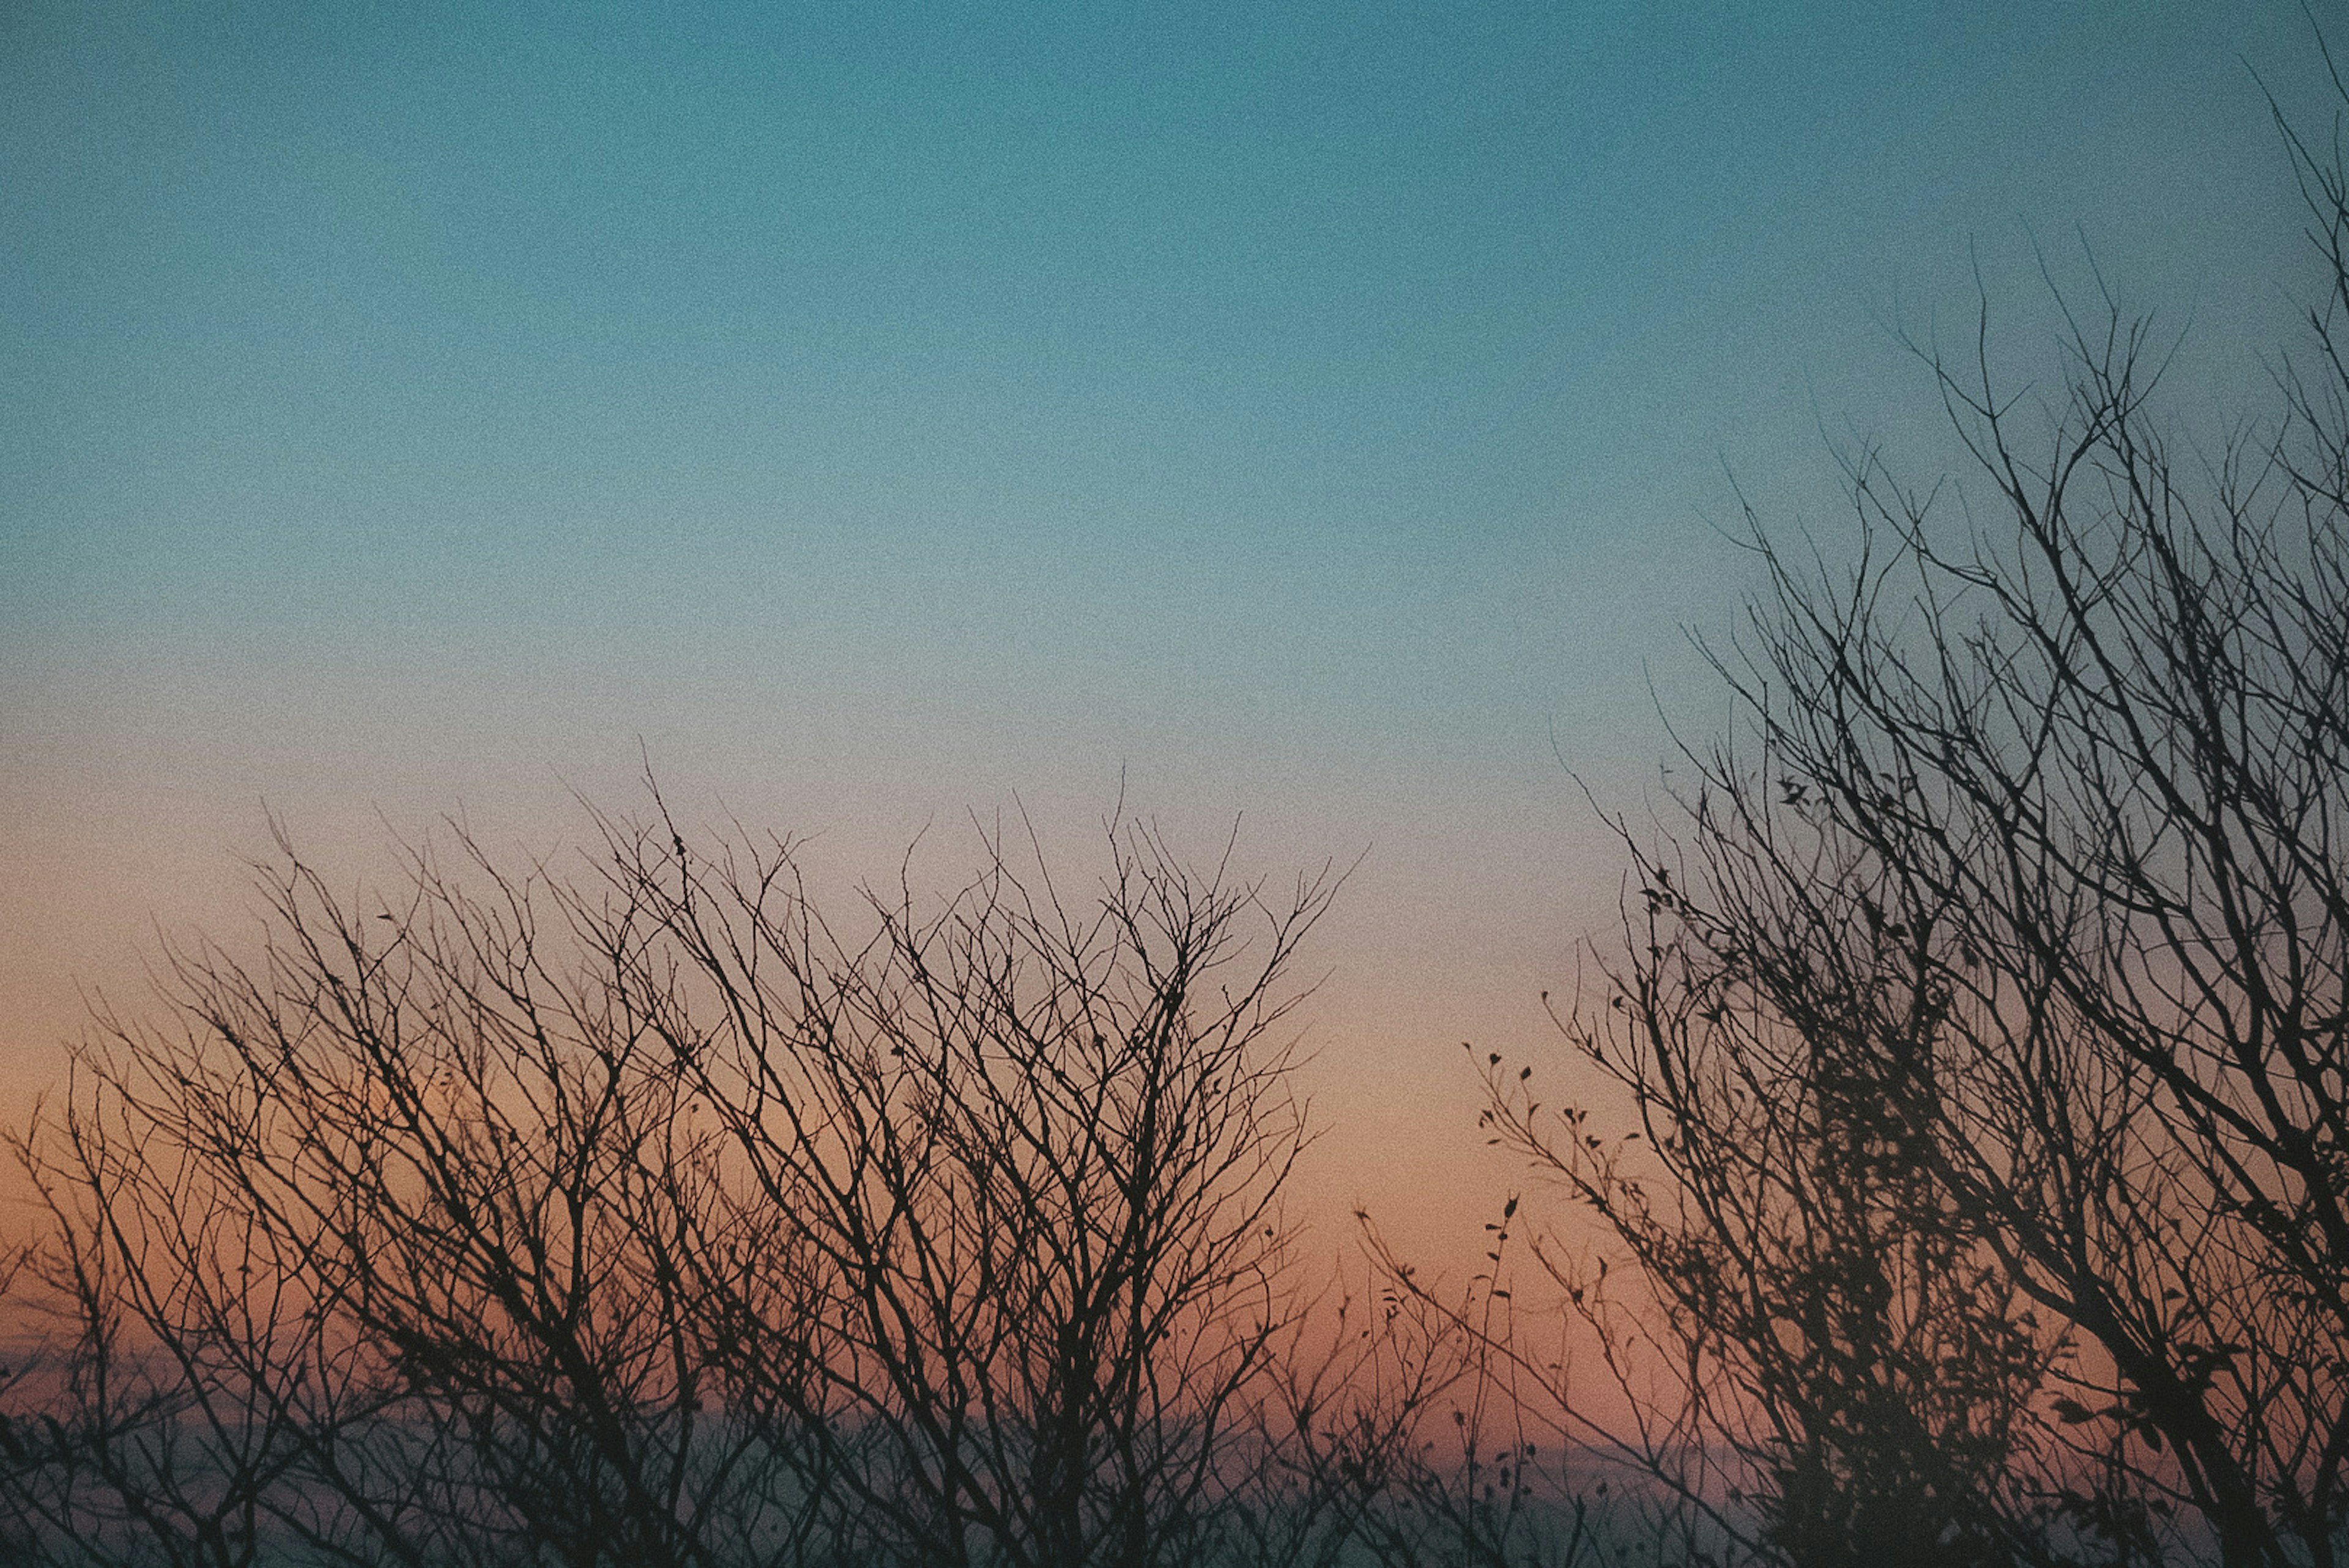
(1985, 1011)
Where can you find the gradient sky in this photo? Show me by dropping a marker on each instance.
(1314, 412)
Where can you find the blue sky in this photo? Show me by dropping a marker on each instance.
(1313, 411)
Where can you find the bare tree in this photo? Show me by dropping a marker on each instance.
(372, 1250)
(1985, 1012)
(644, 1215)
(1031, 1149)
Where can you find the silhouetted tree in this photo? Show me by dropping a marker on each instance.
(1028, 1154)
(372, 1250)
(641, 1216)
(1985, 1013)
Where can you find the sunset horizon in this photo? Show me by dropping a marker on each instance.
(1561, 474)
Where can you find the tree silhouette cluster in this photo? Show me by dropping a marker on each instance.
(1970, 1185)
(1981, 1017)
(649, 1216)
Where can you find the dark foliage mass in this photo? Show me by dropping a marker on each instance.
(1974, 1189)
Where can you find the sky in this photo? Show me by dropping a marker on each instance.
(1325, 415)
